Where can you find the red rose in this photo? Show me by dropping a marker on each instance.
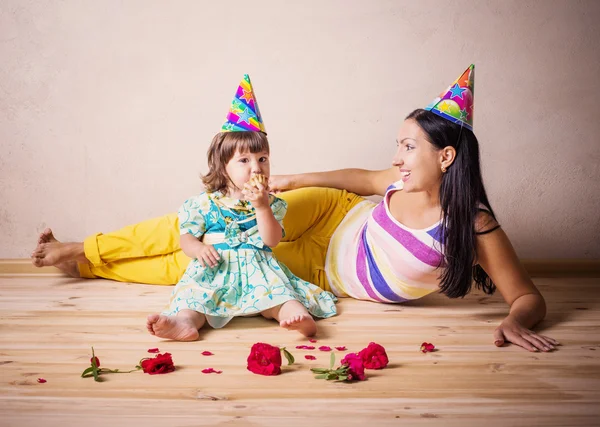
(96, 360)
(356, 368)
(374, 356)
(161, 364)
(264, 359)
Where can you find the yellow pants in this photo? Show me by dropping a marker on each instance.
(149, 252)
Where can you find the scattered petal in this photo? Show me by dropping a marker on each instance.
(427, 347)
(341, 348)
(41, 380)
(211, 371)
(207, 353)
(305, 347)
(324, 348)
(312, 340)
(310, 357)
(153, 350)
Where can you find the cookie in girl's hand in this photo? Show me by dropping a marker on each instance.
(258, 179)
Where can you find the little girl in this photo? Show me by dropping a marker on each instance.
(228, 231)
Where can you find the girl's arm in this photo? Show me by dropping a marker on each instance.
(497, 257)
(195, 249)
(269, 229)
(360, 181)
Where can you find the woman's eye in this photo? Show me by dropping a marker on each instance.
(263, 159)
(409, 147)
(244, 160)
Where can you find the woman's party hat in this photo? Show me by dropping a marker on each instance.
(456, 103)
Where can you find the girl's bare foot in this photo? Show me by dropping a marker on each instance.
(303, 323)
(178, 328)
(51, 252)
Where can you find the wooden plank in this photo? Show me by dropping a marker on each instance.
(48, 325)
(535, 268)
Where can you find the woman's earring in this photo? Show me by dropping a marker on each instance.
(443, 169)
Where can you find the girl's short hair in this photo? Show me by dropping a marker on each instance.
(222, 148)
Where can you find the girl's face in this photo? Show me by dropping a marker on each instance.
(418, 160)
(243, 165)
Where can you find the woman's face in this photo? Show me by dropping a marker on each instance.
(418, 160)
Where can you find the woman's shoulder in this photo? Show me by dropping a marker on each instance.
(485, 221)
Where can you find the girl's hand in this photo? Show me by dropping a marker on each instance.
(257, 194)
(511, 331)
(208, 256)
(280, 183)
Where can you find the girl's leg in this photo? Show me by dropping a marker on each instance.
(293, 315)
(183, 327)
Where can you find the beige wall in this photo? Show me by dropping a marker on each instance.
(107, 107)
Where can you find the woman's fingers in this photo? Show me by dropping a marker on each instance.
(498, 338)
(536, 342)
(521, 342)
(550, 340)
(546, 342)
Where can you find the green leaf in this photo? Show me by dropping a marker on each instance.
(288, 356)
(342, 377)
(95, 373)
(331, 360)
(321, 377)
(320, 370)
(332, 376)
(87, 372)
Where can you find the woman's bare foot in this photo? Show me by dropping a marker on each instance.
(303, 323)
(178, 328)
(51, 252)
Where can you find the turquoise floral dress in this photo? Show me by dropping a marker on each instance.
(248, 279)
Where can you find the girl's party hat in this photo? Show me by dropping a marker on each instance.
(244, 114)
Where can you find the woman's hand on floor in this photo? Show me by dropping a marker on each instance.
(511, 331)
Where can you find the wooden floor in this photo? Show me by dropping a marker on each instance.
(48, 324)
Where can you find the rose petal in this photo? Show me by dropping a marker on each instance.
(305, 347)
(312, 340)
(427, 347)
(324, 348)
(341, 348)
(153, 350)
(41, 380)
(207, 353)
(211, 371)
(310, 357)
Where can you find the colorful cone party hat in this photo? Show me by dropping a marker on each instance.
(244, 114)
(456, 103)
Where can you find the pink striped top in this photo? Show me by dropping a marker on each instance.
(374, 257)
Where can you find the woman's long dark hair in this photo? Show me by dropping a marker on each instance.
(461, 195)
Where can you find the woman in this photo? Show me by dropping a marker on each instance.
(434, 229)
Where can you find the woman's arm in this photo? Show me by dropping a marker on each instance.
(360, 181)
(497, 257)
